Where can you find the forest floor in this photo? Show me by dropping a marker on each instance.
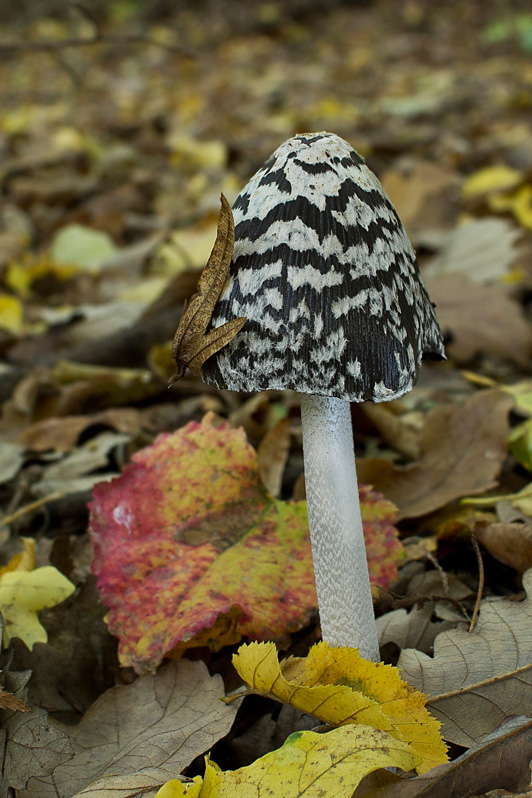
(119, 130)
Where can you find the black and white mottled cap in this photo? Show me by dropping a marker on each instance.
(325, 274)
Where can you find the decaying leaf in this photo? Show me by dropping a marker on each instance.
(339, 687)
(61, 434)
(510, 543)
(308, 765)
(480, 319)
(481, 249)
(414, 629)
(32, 745)
(501, 762)
(272, 455)
(190, 549)
(10, 701)
(192, 344)
(478, 679)
(136, 737)
(462, 449)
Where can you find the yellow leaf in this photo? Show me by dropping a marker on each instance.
(24, 561)
(521, 501)
(23, 273)
(308, 764)
(193, 154)
(176, 789)
(11, 316)
(492, 178)
(23, 594)
(519, 203)
(339, 687)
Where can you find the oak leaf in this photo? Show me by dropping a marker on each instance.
(501, 762)
(135, 737)
(192, 344)
(308, 764)
(478, 679)
(480, 319)
(190, 549)
(339, 687)
(462, 449)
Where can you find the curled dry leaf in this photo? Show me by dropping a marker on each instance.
(478, 679)
(192, 344)
(511, 544)
(339, 687)
(9, 701)
(462, 449)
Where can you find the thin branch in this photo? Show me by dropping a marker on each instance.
(480, 582)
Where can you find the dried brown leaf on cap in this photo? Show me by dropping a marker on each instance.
(192, 344)
(462, 450)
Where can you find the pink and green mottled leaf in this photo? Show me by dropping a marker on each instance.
(190, 549)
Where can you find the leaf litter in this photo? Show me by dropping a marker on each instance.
(111, 193)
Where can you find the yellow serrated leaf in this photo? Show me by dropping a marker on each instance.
(23, 594)
(339, 687)
(176, 789)
(192, 344)
(308, 764)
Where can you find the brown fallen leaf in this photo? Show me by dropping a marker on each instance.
(414, 629)
(61, 434)
(417, 194)
(192, 344)
(481, 249)
(501, 761)
(272, 455)
(135, 737)
(481, 319)
(462, 449)
(32, 745)
(9, 701)
(511, 544)
(476, 680)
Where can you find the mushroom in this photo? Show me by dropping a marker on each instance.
(337, 310)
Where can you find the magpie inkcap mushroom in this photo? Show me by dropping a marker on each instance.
(337, 310)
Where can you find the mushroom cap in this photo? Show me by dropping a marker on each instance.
(325, 274)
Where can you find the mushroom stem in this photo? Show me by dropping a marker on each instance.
(336, 533)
